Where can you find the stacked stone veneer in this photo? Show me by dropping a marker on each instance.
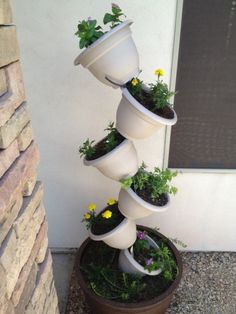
(26, 277)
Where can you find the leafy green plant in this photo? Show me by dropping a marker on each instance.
(111, 139)
(154, 258)
(109, 215)
(156, 182)
(112, 284)
(87, 149)
(158, 94)
(88, 32)
(113, 18)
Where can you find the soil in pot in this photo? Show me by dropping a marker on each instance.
(103, 225)
(146, 101)
(145, 194)
(99, 266)
(101, 148)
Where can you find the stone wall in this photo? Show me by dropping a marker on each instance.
(26, 277)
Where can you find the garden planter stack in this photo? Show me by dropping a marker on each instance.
(26, 278)
(114, 60)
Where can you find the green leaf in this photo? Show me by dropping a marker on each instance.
(108, 18)
(82, 43)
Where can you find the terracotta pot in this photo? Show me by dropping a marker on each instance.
(128, 264)
(134, 207)
(157, 305)
(113, 57)
(134, 121)
(121, 162)
(121, 237)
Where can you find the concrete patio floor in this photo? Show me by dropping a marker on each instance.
(63, 264)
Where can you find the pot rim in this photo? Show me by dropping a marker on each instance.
(145, 204)
(147, 113)
(139, 267)
(144, 304)
(106, 235)
(104, 37)
(96, 161)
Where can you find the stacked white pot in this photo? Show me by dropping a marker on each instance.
(113, 59)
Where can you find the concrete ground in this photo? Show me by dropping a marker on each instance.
(62, 267)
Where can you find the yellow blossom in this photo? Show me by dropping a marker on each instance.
(134, 82)
(87, 216)
(111, 201)
(159, 72)
(92, 207)
(107, 214)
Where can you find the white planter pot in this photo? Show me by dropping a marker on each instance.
(128, 264)
(134, 121)
(134, 207)
(113, 57)
(121, 162)
(122, 237)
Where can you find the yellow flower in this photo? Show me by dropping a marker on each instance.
(87, 216)
(107, 214)
(134, 82)
(111, 201)
(92, 207)
(159, 72)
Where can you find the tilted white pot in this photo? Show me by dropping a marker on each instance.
(134, 207)
(134, 121)
(121, 237)
(113, 57)
(128, 264)
(121, 162)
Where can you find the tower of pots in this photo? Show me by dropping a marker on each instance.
(114, 60)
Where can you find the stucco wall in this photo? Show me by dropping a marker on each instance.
(69, 105)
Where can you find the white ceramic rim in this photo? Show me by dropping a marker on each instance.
(145, 204)
(108, 155)
(101, 39)
(104, 236)
(146, 112)
(139, 267)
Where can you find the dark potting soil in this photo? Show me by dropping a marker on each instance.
(145, 194)
(100, 147)
(146, 101)
(99, 257)
(103, 225)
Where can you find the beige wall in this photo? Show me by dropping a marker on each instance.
(69, 105)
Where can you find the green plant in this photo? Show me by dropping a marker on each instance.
(113, 18)
(154, 258)
(158, 94)
(111, 139)
(156, 183)
(88, 32)
(90, 217)
(135, 87)
(87, 149)
(112, 284)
